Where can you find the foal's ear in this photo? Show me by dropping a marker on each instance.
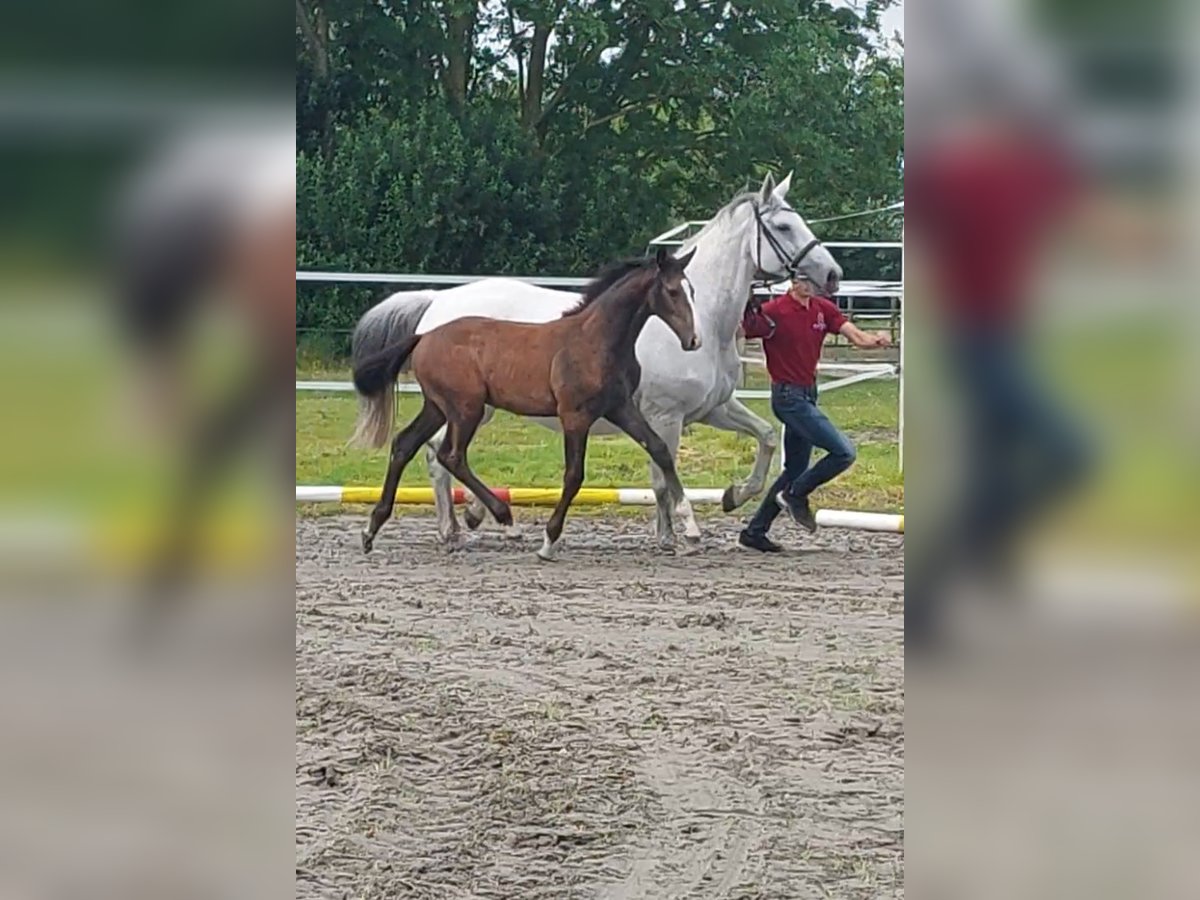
(661, 257)
(683, 261)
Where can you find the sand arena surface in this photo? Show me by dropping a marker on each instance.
(620, 723)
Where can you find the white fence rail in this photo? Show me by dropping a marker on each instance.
(404, 278)
(855, 373)
(865, 288)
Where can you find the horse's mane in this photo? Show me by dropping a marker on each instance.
(607, 277)
(721, 215)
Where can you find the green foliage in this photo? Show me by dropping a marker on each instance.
(548, 136)
(428, 191)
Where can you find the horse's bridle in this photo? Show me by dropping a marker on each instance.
(791, 267)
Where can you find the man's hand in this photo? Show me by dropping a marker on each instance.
(864, 340)
(880, 339)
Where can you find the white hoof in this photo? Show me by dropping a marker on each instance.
(514, 532)
(448, 531)
(455, 544)
(549, 549)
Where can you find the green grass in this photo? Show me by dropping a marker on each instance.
(511, 452)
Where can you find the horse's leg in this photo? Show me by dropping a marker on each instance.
(733, 415)
(661, 443)
(671, 511)
(475, 510)
(404, 448)
(575, 438)
(666, 524)
(453, 455)
(443, 496)
(681, 508)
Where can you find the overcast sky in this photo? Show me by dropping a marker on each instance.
(893, 19)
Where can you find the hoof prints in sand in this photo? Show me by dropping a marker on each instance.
(623, 723)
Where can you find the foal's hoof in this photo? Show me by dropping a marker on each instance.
(513, 532)
(729, 500)
(473, 519)
(368, 541)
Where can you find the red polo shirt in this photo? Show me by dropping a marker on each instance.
(792, 335)
(984, 214)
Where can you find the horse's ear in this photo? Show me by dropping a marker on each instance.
(661, 257)
(683, 261)
(768, 187)
(782, 188)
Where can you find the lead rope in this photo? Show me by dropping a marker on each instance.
(752, 301)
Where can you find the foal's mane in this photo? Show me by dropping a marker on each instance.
(608, 277)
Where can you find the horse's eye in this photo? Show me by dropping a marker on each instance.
(785, 228)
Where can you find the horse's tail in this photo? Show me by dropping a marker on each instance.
(380, 331)
(375, 380)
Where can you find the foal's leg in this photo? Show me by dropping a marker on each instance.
(404, 448)
(675, 512)
(453, 455)
(575, 435)
(733, 415)
(475, 510)
(667, 489)
(670, 511)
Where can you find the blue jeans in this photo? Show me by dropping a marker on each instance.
(805, 427)
(1024, 452)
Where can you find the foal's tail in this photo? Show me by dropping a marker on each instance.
(375, 379)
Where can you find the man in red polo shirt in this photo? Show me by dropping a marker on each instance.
(986, 193)
(793, 327)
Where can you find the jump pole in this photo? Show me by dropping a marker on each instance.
(832, 518)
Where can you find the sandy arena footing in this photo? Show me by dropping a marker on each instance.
(622, 723)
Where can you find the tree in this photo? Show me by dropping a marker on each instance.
(528, 136)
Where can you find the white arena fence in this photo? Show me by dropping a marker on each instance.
(848, 373)
(851, 373)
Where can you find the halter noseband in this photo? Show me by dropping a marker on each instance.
(791, 267)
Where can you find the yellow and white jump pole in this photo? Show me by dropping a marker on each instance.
(830, 518)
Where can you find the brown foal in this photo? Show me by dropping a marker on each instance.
(580, 368)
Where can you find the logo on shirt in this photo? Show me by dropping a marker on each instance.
(819, 325)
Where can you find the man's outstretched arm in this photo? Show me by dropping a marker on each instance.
(864, 339)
